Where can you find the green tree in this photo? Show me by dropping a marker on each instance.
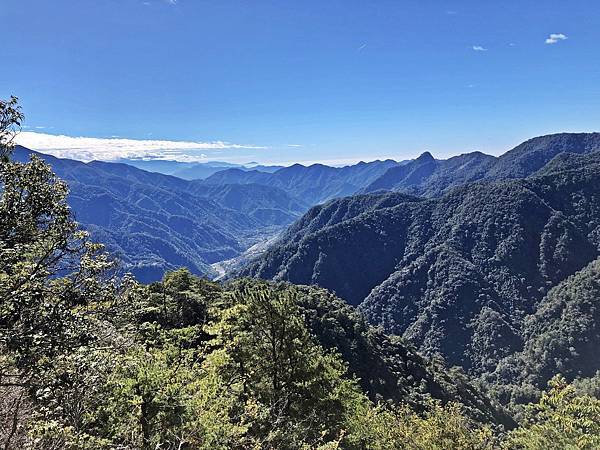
(560, 420)
(290, 390)
(441, 427)
(49, 274)
(11, 117)
(48, 267)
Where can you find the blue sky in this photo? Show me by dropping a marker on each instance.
(286, 81)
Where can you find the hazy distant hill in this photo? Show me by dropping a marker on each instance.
(459, 274)
(192, 170)
(156, 222)
(313, 184)
(166, 167)
(202, 171)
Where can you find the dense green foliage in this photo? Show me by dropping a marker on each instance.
(560, 420)
(11, 117)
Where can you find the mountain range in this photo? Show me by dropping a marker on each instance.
(313, 184)
(485, 274)
(489, 262)
(426, 176)
(157, 222)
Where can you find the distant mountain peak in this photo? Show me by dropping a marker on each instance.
(425, 156)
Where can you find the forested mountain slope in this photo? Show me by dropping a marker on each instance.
(458, 274)
(429, 177)
(267, 205)
(561, 336)
(532, 155)
(155, 222)
(387, 367)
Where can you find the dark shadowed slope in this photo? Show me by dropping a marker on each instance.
(562, 336)
(388, 368)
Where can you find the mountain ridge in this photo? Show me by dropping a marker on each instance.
(426, 176)
(447, 273)
(313, 184)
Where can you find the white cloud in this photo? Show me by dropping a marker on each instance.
(295, 145)
(479, 48)
(109, 149)
(556, 37)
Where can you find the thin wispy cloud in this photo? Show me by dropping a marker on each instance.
(556, 37)
(479, 48)
(294, 145)
(110, 149)
(37, 127)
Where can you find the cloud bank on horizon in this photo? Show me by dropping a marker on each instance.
(112, 149)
